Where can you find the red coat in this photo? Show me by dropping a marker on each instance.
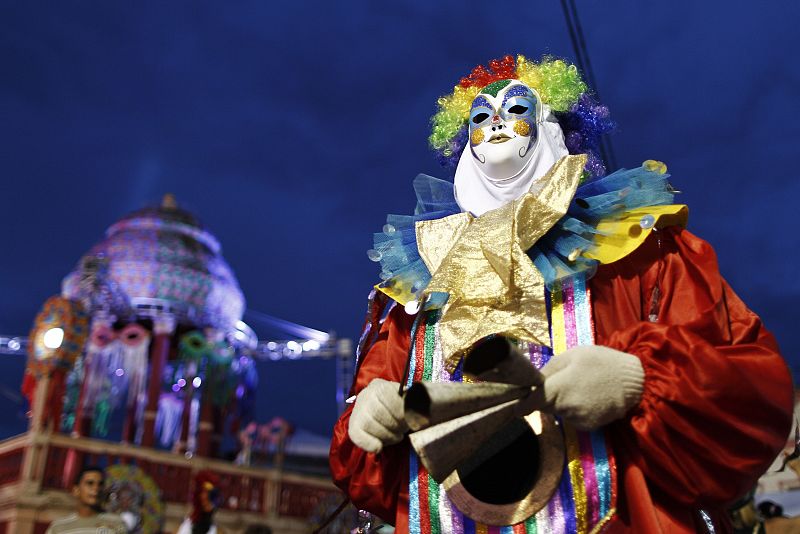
(716, 408)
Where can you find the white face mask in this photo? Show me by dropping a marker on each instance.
(503, 129)
(514, 140)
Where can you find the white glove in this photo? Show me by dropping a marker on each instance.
(590, 386)
(377, 417)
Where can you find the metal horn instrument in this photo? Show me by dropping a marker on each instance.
(498, 465)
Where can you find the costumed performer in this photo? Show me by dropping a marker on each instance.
(671, 396)
(206, 498)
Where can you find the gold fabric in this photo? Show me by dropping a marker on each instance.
(481, 263)
(439, 236)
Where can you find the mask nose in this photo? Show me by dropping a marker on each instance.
(497, 123)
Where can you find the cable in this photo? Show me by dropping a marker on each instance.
(584, 64)
(572, 35)
(583, 51)
(332, 516)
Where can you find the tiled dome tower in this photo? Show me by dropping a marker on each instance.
(160, 259)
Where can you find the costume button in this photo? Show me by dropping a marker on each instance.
(647, 222)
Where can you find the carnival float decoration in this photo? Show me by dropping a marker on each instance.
(145, 349)
(56, 342)
(149, 328)
(263, 440)
(135, 497)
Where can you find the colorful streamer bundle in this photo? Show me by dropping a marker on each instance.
(586, 497)
(115, 363)
(200, 356)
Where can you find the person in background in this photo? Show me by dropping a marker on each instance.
(206, 498)
(89, 517)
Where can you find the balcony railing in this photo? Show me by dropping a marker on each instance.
(246, 489)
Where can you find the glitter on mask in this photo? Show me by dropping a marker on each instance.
(481, 102)
(522, 128)
(517, 90)
(477, 136)
(495, 87)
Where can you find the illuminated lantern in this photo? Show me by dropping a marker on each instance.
(58, 336)
(56, 341)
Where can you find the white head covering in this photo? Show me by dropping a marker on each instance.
(478, 193)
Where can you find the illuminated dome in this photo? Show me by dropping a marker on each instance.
(159, 259)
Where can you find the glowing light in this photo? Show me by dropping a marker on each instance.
(272, 345)
(52, 338)
(176, 388)
(181, 382)
(119, 372)
(197, 381)
(293, 350)
(241, 325)
(311, 345)
(239, 391)
(14, 344)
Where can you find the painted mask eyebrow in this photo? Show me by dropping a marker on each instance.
(481, 102)
(517, 90)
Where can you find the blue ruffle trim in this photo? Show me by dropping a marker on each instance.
(396, 246)
(605, 198)
(554, 254)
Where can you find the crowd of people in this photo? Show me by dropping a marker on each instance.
(90, 516)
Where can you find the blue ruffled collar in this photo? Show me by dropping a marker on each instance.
(557, 255)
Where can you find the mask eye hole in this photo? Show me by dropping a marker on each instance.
(518, 109)
(480, 117)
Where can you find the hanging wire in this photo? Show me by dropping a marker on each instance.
(582, 43)
(584, 64)
(573, 36)
(328, 520)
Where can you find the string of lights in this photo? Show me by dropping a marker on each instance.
(291, 349)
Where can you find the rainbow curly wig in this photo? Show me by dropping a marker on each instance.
(560, 86)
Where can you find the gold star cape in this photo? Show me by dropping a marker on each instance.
(481, 264)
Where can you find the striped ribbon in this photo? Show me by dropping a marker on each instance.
(586, 497)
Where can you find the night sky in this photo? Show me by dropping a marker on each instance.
(291, 129)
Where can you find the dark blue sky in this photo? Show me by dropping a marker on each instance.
(291, 129)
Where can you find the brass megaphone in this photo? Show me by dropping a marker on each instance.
(497, 465)
(431, 403)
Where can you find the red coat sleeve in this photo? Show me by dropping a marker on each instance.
(376, 482)
(717, 402)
